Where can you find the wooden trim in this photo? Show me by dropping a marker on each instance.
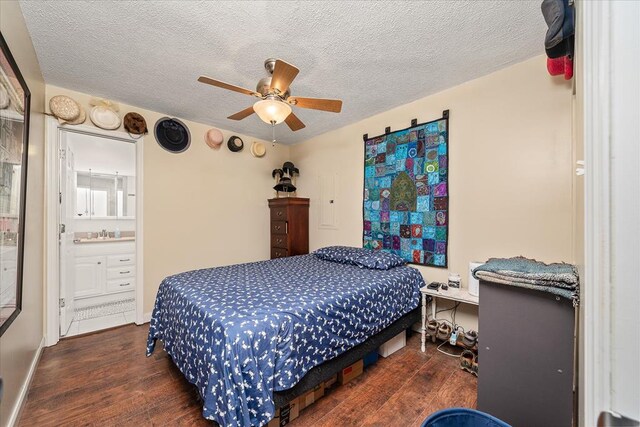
(16, 411)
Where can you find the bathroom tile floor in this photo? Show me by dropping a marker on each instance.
(98, 323)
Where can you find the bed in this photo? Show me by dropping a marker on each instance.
(241, 333)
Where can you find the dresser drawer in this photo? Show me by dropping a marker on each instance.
(121, 285)
(278, 253)
(279, 214)
(279, 227)
(120, 272)
(279, 241)
(118, 260)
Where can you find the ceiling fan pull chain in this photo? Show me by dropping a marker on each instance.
(273, 133)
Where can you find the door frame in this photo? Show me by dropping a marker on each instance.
(601, 58)
(52, 270)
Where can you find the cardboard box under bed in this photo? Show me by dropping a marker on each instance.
(328, 369)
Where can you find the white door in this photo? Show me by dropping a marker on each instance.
(67, 187)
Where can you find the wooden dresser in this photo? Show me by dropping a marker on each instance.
(289, 226)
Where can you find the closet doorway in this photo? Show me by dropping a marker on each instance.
(94, 230)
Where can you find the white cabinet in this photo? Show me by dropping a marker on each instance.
(90, 275)
(118, 260)
(121, 285)
(120, 272)
(103, 271)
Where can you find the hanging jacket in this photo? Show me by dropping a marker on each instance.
(559, 16)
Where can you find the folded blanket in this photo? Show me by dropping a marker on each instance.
(559, 279)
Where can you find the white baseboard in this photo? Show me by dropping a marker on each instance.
(24, 390)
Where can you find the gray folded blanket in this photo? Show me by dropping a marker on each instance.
(559, 278)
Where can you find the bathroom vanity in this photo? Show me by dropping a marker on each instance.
(105, 270)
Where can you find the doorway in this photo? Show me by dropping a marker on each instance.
(94, 229)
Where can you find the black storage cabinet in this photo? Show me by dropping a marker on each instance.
(526, 356)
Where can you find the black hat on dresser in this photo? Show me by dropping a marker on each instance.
(285, 185)
(172, 135)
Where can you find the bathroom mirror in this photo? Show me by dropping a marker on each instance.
(14, 141)
(104, 196)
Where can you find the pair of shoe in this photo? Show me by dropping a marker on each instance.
(444, 331)
(469, 362)
(440, 330)
(432, 327)
(470, 339)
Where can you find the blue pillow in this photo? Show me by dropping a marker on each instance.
(379, 260)
(364, 258)
(341, 254)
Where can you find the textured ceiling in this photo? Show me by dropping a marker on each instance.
(372, 55)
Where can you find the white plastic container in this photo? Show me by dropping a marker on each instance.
(474, 284)
(393, 345)
(454, 280)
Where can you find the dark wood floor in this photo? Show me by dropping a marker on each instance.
(105, 379)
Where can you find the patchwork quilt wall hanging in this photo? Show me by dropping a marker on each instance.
(406, 195)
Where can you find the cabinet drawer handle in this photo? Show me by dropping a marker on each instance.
(125, 284)
(125, 260)
(125, 272)
(279, 213)
(277, 227)
(279, 240)
(99, 262)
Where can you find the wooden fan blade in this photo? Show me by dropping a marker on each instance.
(223, 85)
(283, 75)
(242, 114)
(331, 105)
(294, 122)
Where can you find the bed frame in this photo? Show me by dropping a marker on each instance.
(323, 372)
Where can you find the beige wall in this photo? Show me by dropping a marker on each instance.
(19, 343)
(510, 169)
(203, 207)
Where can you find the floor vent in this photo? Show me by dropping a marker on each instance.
(93, 311)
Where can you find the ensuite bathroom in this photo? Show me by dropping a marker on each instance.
(97, 221)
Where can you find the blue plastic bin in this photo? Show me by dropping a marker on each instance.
(370, 358)
(462, 417)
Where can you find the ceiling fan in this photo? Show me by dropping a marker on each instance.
(275, 102)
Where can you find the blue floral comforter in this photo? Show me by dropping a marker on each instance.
(242, 331)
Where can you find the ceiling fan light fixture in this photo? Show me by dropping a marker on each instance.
(272, 111)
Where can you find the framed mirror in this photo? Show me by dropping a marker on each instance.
(14, 140)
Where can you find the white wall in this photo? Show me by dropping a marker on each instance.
(510, 174)
(95, 225)
(102, 155)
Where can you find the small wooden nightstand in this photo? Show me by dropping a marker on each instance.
(453, 294)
